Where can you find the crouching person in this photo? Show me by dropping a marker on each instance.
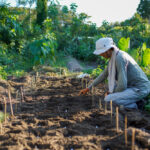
(127, 83)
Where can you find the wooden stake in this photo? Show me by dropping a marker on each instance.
(133, 139)
(22, 94)
(86, 83)
(16, 102)
(117, 120)
(5, 108)
(1, 127)
(36, 77)
(32, 87)
(125, 131)
(82, 83)
(100, 104)
(31, 82)
(10, 100)
(111, 110)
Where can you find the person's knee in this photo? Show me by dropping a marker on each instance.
(107, 98)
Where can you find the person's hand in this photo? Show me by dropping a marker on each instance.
(107, 93)
(84, 91)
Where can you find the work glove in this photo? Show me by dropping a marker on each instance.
(84, 91)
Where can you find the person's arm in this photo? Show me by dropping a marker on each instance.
(121, 66)
(99, 79)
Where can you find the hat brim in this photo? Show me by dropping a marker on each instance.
(100, 51)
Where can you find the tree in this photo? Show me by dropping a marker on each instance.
(41, 11)
(73, 7)
(24, 3)
(144, 9)
(65, 9)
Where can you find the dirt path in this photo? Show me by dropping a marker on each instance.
(75, 65)
(53, 116)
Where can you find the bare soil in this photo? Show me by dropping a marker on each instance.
(53, 116)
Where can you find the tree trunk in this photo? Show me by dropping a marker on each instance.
(41, 11)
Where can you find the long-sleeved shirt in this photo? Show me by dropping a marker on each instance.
(128, 74)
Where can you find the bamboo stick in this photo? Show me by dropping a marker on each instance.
(35, 78)
(22, 94)
(125, 131)
(60, 72)
(16, 102)
(133, 139)
(5, 108)
(31, 83)
(37, 75)
(10, 100)
(32, 86)
(1, 128)
(117, 120)
(86, 85)
(100, 104)
(111, 110)
(82, 83)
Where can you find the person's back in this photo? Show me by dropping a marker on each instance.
(135, 76)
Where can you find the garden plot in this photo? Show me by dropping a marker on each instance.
(51, 115)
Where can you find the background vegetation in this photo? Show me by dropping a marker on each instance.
(33, 36)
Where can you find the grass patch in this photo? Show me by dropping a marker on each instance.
(13, 64)
(60, 60)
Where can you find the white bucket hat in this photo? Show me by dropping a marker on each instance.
(103, 45)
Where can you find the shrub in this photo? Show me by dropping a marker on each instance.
(96, 72)
(43, 48)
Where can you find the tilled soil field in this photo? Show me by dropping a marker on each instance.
(53, 116)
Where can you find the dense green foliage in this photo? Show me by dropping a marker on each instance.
(42, 48)
(33, 36)
(41, 11)
(144, 8)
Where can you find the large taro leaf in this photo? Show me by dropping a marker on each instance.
(146, 57)
(124, 44)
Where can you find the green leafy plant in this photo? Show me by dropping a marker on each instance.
(124, 44)
(143, 55)
(147, 106)
(42, 49)
(146, 57)
(3, 73)
(96, 72)
(133, 53)
(2, 116)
